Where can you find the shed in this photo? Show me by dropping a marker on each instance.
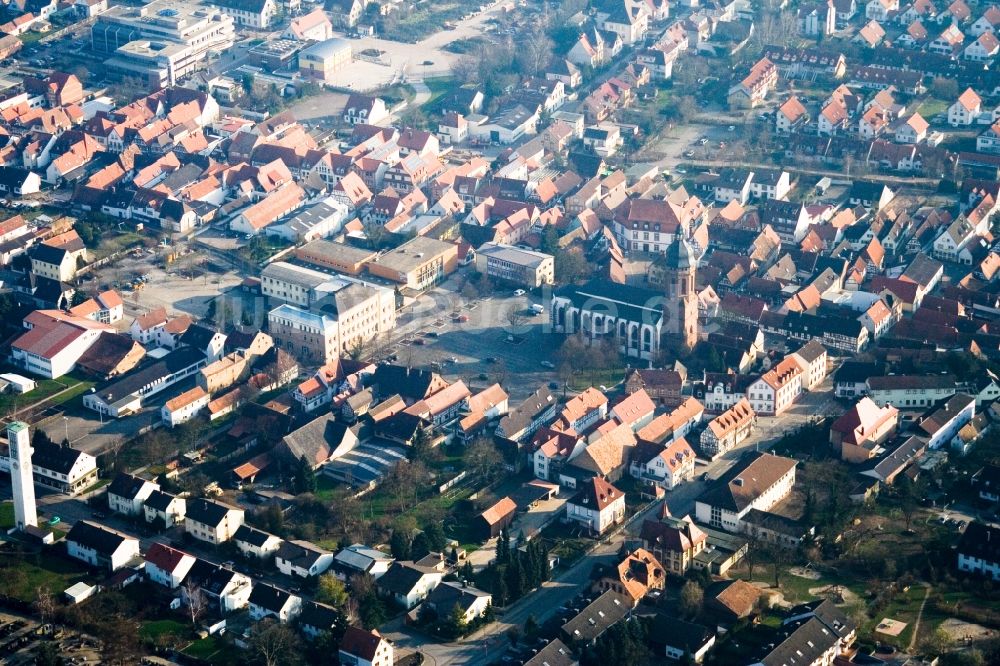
(77, 592)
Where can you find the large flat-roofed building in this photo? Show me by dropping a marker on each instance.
(514, 265)
(307, 287)
(335, 256)
(162, 41)
(417, 263)
(353, 315)
(322, 60)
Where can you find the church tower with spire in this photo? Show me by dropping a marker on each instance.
(681, 307)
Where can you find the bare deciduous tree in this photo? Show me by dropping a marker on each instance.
(195, 601)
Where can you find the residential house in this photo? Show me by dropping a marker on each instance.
(964, 111)
(269, 601)
(942, 422)
(858, 435)
(729, 429)
(167, 566)
(127, 493)
(164, 509)
(408, 584)
(444, 598)
(363, 647)
(100, 546)
(256, 544)
(360, 559)
(977, 550)
(777, 389)
(666, 466)
(597, 506)
(302, 559)
(212, 521)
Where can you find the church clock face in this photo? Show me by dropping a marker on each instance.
(14, 464)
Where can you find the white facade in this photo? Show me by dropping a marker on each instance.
(731, 520)
(173, 578)
(219, 533)
(21, 477)
(186, 412)
(285, 614)
(59, 362)
(132, 506)
(597, 520)
(122, 555)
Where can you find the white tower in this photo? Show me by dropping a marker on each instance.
(21, 476)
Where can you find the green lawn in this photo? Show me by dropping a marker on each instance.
(6, 515)
(154, 629)
(45, 389)
(24, 574)
(932, 107)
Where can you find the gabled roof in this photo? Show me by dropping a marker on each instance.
(361, 643)
(269, 597)
(126, 486)
(96, 537)
(164, 557)
(207, 512)
(745, 481)
(596, 494)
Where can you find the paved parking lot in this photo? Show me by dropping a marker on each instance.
(427, 333)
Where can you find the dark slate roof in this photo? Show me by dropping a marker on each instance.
(48, 254)
(126, 486)
(11, 177)
(54, 457)
(320, 616)
(97, 537)
(802, 643)
(623, 301)
(402, 577)
(251, 535)
(669, 631)
(855, 372)
(316, 440)
(826, 612)
(300, 554)
(410, 383)
(269, 597)
(597, 617)
(981, 541)
(159, 500)
(446, 596)
(206, 512)
(198, 336)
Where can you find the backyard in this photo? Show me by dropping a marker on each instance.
(12, 403)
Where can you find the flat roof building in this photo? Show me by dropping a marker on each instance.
(417, 263)
(514, 265)
(163, 41)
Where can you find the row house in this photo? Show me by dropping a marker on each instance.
(729, 429)
(777, 389)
